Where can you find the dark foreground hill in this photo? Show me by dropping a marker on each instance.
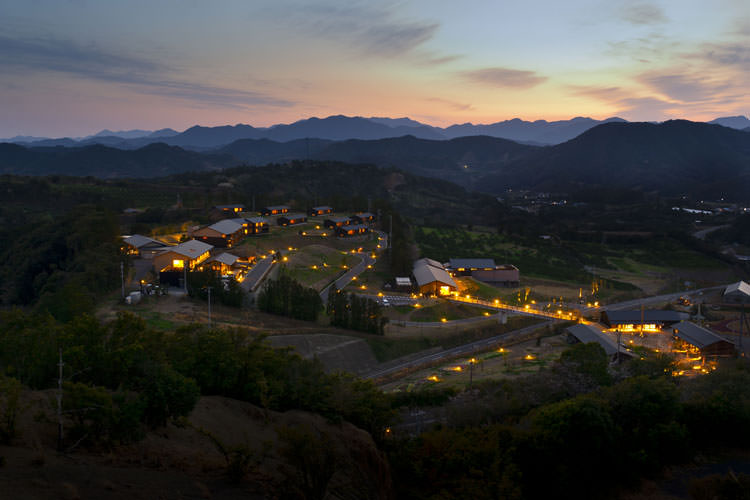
(675, 157)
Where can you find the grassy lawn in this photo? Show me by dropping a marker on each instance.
(386, 349)
(317, 265)
(475, 288)
(447, 310)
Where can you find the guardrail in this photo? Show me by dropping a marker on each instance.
(527, 310)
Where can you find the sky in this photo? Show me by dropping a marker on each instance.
(74, 67)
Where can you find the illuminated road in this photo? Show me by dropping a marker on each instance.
(636, 303)
(462, 350)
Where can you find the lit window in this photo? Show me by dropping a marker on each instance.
(178, 263)
(445, 290)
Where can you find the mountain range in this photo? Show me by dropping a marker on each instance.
(339, 128)
(674, 157)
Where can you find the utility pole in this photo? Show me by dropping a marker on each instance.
(184, 277)
(122, 278)
(59, 396)
(209, 306)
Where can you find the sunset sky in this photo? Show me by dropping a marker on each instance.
(72, 68)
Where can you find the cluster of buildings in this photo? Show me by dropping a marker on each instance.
(433, 278)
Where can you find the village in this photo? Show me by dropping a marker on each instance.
(323, 249)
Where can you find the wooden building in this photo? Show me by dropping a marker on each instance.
(144, 247)
(185, 255)
(335, 222)
(432, 278)
(363, 218)
(646, 320)
(291, 219)
(227, 264)
(223, 234)
(485, 270)
(696, 339)
(275, 210)
(317, 211)
(252, 225)
(737, 293)
(352, 230)
(234, 208)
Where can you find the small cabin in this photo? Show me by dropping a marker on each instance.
(234, 208)
(275, 210)
(252, 225)
(432, 278)
(318, 211)
(291, 219)
(352, 230)
(138, 245)
(335, 222)
(223, 234)
(363, 218)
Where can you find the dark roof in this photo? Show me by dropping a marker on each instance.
(138, 241)
(364, 215)
(696, 335)
(276, 207)
(294, 216)
(257, 220)
(649, 316)
(472, 263)
(235, 205)
(590, 333)
(324, 207)
(337, 219)
(353, 226)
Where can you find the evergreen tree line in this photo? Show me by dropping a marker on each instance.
(128, 377)
(227, 292)
(351, 311)
(575, 430)
(287, 297)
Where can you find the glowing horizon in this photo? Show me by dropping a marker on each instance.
(76, 69)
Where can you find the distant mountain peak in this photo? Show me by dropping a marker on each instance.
(738, 122)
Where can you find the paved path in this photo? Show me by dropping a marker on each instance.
(634, 304)
(701, 235)
(465, 349)
(358, 269)
(521, 311)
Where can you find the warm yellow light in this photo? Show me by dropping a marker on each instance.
(290, 249)
(529, 357)
(456, 368)
(445, 290)
(178, 263)
(443, 320)
(433, 378)
(364, 287)
(354, 278)
(380, 294)
(285, 259)
(417, 305)
(486, 313)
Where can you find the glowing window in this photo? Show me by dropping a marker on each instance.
(445, 290)
(178, 263)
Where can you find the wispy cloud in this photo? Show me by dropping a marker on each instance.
(372, 29)
(459, 106)
(642, 13)
(22, 55)
(684, 87)
(504, 77)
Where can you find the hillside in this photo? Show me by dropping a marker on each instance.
(105, 162)
(674, 157)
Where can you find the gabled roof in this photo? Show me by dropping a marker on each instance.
(354, 227)
(138, 241)
(191, 249)
(338, 219)
(696, 335)
(257, 220)
(226, 226)
(425, 273)
(590, 333)
(472, 263)
(649, 316)
(323, 208)
(294, 216)
(428, 262)
(225, 258)
(230, 207)
(364, 215)
(739, 288)
(276, 207)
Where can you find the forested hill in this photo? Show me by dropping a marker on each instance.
(153, 160)
(674, 157)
